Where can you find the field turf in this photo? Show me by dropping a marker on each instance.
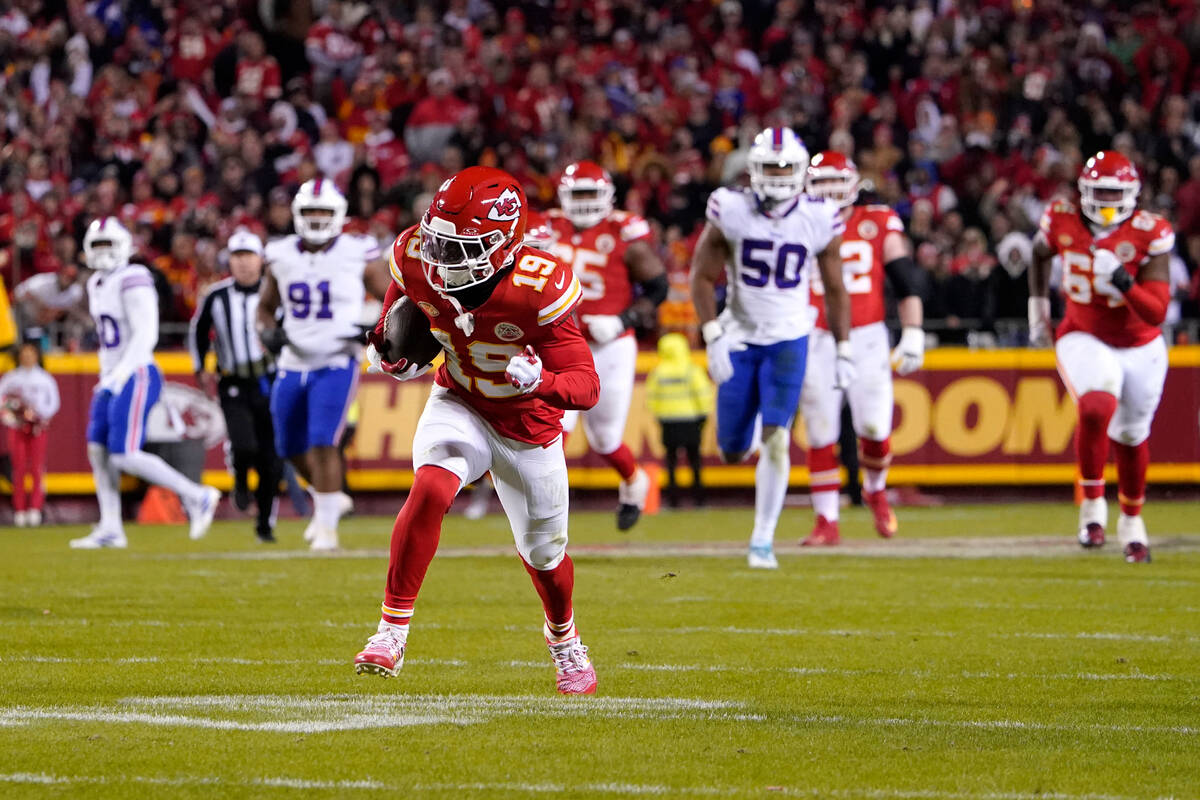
(982, 656)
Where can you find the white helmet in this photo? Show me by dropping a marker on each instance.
(107, 245)
(591, 180)
(777, 147)
(318, 194)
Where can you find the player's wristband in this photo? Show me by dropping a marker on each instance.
(711, 331)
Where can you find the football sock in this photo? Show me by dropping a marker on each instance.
(415, 539)
(1132, 461)
(153, 469)
(325, 509)
(622, 461)
(559, 631)
(1091, 440)
(876, 458)
(108, 487)
(555, 587)
(825, 479)
(771, 482)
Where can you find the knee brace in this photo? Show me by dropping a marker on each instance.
(543, 550)
(776, 446)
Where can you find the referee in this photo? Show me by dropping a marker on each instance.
(225, 320)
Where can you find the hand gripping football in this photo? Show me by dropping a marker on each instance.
(406, 334)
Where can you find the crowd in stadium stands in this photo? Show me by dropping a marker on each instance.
(189, 119)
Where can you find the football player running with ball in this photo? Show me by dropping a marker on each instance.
(319, 277)
(123, 301)
(1110, 351)
(623, 280)
(515, 359)
(874, 250)
(765, 239)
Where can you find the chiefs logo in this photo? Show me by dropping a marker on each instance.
(605, 243)
(1126, 252)
(428, 308)
(506, 208)
(507, 332)
(1064, 240)
(868, 229)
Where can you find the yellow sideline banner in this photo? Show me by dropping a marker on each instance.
(970, 417)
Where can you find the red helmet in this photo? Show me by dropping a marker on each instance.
(585, 192)
(538, 232)
(1113, 174)
(475, 222)
(833, 176)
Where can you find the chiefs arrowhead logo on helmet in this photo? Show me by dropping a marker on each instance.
(507, 207)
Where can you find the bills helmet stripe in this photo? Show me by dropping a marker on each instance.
(777, 138)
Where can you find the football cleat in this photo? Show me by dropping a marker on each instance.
(632, 498)
(762, 558)
(33, 518)
(241, 496)
(19, 519)
(201, 514)
(885, 519)
(1091, 535)
(323, 539)
(310, 531)
(824, 534)
(481, 497)
(574, 671)
(345, 505)
(384, 653)
(99, 538)
(1137, 553)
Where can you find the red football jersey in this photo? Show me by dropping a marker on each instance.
(532, 306)
(862, 265)
(1094, 305)
(597, 257)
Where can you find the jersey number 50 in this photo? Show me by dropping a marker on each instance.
(788, 269)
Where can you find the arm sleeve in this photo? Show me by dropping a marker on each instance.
(907, 278)
(390, 297)
(1149, 301)
(141, 303)
(569, 379)
(199, 332)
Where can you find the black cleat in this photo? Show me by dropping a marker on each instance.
(627, 516)
(242, 498)
(266, 536)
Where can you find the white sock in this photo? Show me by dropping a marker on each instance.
(326, 508)
(771, 482)
(153, 469)
(108, 487)
(874, 480)
(826, 504)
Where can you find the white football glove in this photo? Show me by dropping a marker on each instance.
(718, 346)
(603, 327)
(909, 354)
(400, 370)
(1039, 322)
(525, 371)
(845, 372)
(1105, 263)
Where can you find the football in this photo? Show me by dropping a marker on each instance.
(406, 334)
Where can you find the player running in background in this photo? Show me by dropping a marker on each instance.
(319, 277)
(612, 254)
(765, 239)
(124, 304)
(514, 360)
(874, 249)
(1110, 351)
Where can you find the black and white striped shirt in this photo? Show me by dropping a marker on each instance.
(225, 319)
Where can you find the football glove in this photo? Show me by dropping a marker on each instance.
(603, 327)
(845, 372)
(401, 370)
(1105, 264)
(909, 354)
(718, 347)
(1039, 322)
(525, 371)
(273, 339)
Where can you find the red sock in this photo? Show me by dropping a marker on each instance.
(415, 539)
(1096, 409)
(555, 586)
(823, 469)
(876, 454)
(622, 461)
(1132, 460)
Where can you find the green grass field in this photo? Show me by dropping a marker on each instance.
(982, 656)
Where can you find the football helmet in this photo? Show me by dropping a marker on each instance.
(777, 147)
(586, 192)
(832, 176)
(474, 224)
(319, 194)
(107, 245)
(1108, 171)
(538, 232)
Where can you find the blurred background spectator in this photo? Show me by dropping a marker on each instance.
(191, 119)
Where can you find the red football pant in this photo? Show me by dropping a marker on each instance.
(415, 539)
(28, 453)
(555, 587)
(1132, 460)
(1096, 410)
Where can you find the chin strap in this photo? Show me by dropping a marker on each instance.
(464, 320)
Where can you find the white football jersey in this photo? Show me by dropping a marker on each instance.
(322, 297)
(767, 276)
(119, 300)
